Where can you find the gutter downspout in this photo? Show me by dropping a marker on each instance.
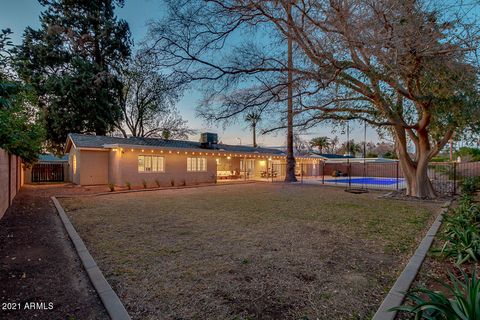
(9, 178)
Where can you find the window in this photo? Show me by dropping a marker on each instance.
(74, 164)
(248, 165)
(196, 164)
(151, 164)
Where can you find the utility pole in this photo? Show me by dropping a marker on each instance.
(451, 149)
(365, 141)
(347, 152)
(290, 174)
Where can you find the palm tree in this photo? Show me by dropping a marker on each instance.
(320, 143)
(253, 118)
(351, 148)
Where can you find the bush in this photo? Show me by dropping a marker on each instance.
(462, 240)
(460, 302)
(111, 186)
(157, 182)
(129, 185)
(144, 184)
(440, 159)
(390, 155)
(172, 183)
(472, 154)
(470, 185)
(468, 209)
(462, 232)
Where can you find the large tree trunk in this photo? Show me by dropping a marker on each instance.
(418, 182)
(290, 172)
(415, 171)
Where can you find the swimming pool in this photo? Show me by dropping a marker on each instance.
(367, 180)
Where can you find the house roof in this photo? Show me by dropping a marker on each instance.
(52, 158)
(333, 156)
(96, 142)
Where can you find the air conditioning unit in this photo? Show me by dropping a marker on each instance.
(208, 140)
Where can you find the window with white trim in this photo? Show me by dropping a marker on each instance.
(196, 164)
(151, 164)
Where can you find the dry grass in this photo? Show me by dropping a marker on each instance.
(257, 251)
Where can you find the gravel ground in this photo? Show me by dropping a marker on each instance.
(38, 263)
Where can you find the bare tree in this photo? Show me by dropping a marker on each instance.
(250, 76)
(148, 103)
(333, 145)
(406, 66)
(380, 148)
(290, 172)
(302, 147)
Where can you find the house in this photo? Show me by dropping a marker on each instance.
(96, 160)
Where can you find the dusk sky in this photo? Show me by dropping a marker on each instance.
(19, 14)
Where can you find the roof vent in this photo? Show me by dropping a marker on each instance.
(208, 140)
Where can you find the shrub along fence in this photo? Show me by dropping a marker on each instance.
(11, 179)
(445, 176)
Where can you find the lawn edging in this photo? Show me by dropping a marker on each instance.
(397, 293)
(111, 301)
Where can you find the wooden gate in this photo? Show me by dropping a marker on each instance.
(47, 172)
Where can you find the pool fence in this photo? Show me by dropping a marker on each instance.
(444, 176)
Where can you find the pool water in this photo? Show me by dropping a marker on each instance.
(378, 181)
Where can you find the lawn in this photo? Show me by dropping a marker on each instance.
(252, 251)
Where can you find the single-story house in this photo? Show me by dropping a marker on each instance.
(96, 160)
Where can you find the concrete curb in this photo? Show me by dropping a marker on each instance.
(110, 300)
(396, 295)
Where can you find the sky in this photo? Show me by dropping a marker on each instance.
(18, 14)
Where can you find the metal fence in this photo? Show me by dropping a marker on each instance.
(47, 172)
(444, 176)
